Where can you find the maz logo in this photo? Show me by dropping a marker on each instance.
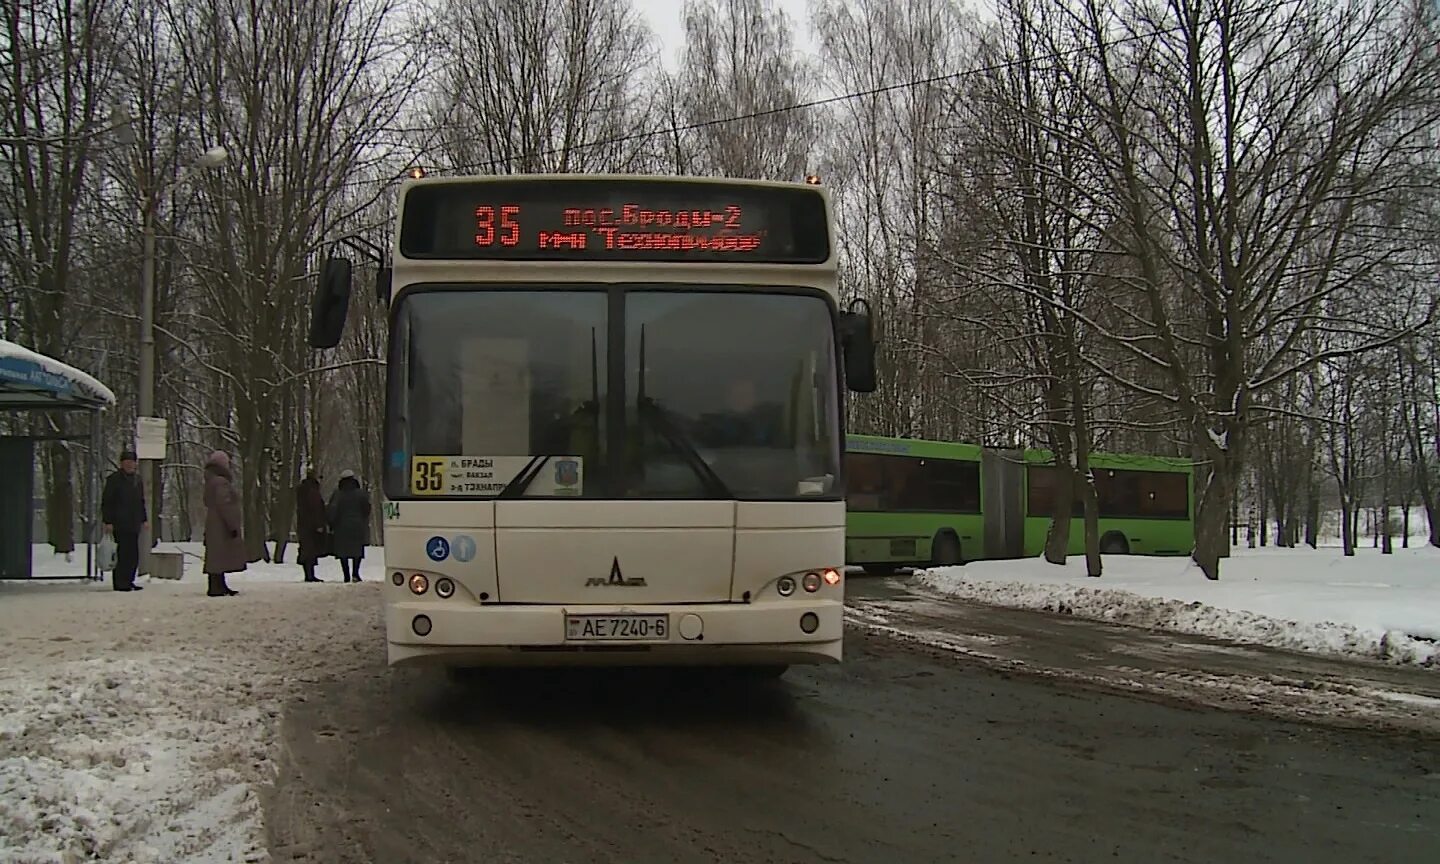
(615, 578)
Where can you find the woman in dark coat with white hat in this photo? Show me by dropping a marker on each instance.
(349, 512)
(224, 526)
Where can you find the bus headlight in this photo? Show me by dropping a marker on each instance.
(811, 582)
(418, 583)
(444, 587)
(786, 586)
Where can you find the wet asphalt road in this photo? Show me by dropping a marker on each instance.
(901, 754)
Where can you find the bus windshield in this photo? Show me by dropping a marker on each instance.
(612, 392)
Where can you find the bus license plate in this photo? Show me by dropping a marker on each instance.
(623, 627)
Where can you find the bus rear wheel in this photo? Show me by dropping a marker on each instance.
(945, 551)
(1114, 544)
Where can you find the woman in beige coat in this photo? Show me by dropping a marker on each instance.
(224, 521)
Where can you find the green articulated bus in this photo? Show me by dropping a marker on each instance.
(930, 503)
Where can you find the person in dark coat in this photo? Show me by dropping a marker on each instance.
(349, 513)
(224, 522)
(122, 509)
(312, 525)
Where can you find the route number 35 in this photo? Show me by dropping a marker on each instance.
(427, 476)
(485, 225)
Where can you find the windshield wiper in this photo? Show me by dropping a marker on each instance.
(660, 419)
(516, 487)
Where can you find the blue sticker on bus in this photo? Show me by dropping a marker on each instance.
(438, 548)
(397, 459)
(464, 547)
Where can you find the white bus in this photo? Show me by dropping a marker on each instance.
(613, 421)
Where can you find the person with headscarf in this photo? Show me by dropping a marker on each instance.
(312, 525)
(224, 525)
(349, 513)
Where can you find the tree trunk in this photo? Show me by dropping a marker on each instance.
(1210, 533)
(1386, 547)
(1312, 515)
(1347, 525)
(1093, 564)
(1235, 521)
(1057, 541)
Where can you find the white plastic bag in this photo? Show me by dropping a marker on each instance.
(105, 555)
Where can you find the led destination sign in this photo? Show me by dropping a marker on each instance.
(596, 220)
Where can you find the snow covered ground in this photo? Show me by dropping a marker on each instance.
(1371, 605)
(138, 727)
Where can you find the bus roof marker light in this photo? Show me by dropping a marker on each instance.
(812, 179)
(416, 173)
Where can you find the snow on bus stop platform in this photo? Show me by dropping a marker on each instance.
(1384, 607)
(140, 727)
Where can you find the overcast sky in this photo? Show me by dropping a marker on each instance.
(663, 16)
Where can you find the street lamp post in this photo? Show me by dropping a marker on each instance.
(145, 407)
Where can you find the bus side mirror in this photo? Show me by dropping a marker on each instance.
(331, 304)
(857, 342)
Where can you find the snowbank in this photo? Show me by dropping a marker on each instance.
(129, 758)
(1382, 607)
(138, 727)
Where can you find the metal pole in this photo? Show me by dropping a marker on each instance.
(146, 406)
(92, 513)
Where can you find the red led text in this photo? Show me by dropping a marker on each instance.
(635, 215)
(485, 225)
(563, 239)
(658, 241)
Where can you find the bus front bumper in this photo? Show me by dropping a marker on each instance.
(468, 634)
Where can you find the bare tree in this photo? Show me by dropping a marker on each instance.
(546, 85)
(740, 60)
(1048, 250)
(1252, 142)
(300, 105)
(60, 56)
(885, 150)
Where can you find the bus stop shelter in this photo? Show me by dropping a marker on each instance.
(31, 382)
